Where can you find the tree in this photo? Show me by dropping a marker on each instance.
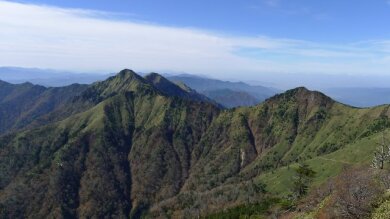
(381, 154)
(353, 194)
(356, 190)
(303, 176)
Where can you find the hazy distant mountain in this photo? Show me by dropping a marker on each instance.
(230, 98)
(228, 94)
(225, 92)
(47, 77)
(360, 97)
(178, 90)
(319, 81)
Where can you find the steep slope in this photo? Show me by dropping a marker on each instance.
(133, 148)
(245, 145)
(294, 126)
(27, 105)
(245, 142)
(20, 104)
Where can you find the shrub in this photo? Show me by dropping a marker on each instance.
(383, 212)
(355, 191)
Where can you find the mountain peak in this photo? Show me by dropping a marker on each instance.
(125, 81)
(127, 74)
(302, 94)
(172, 89)
(156, 78)
(301, 89)
(165, 85)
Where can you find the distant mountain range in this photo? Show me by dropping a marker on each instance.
(226, 93)
(231, 98)
(229, 94)
(48, 77)
(360, 96)
(144, 147)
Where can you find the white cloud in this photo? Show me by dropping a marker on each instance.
(50, 37)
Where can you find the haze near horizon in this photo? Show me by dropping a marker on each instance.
(222, 39)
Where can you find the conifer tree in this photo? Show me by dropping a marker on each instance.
(302, 179)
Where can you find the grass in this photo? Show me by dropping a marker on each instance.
(358, 153)
(257, 210)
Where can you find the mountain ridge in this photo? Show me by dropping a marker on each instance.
(207, 86)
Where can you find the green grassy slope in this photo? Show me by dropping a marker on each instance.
(359, 152)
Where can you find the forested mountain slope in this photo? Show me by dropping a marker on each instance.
(246, 146)
(126, 147)
(132, 148)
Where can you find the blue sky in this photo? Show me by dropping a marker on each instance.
(208, 37)
(322, 21)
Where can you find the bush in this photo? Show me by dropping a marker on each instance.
(355, 191)
(383, 212)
